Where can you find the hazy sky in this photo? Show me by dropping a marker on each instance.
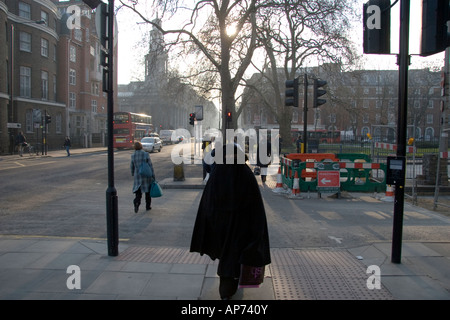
(133, 43)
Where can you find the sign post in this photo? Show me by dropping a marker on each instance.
(328, 178)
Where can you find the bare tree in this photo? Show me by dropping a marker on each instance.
(208, 31)
(294, 33)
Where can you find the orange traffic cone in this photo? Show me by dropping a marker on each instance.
(389, 196)
(279, 186)
(296, 187)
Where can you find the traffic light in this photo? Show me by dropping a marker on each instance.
(318, 93)
(291, 93)
(377, 26)
(191, 118)
(435, 37)
(48, 119)
(228, 116)
(92, 3)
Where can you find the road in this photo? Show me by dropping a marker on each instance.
(65, 197)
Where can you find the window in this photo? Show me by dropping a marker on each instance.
(44, 47)
(366, 104)
(29, 120)
(430, 104)
(95, 88)
(295, 117)
(94, 106)
(58, 123)
(25, 82)
(54, 87)
(24, 10)
(72, 100)
(365, 118)
(44, 85)
(378, 118)
(78, 34)
(73, 54)
(72, 77)
(429, 118)
(25, 41)
(379, 104)
(332, 117)
(44, 16)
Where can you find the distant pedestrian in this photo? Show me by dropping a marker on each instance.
(67, 145)
(263, 155)
(298, 143)
(231, 222)
(141, 184)
(21, 141)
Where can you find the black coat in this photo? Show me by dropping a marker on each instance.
(231, 221)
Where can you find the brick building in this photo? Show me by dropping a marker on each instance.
(358, 102)
(49, 69)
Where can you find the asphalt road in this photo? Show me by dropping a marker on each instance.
(65, 197)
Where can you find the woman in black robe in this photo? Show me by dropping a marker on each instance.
(231, 223)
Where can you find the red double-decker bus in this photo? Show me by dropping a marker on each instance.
(130, 127)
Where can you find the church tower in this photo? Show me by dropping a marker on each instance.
(156, 59)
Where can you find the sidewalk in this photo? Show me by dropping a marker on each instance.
(37, 268)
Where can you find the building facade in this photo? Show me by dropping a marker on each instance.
(49, 70)
(359, 102)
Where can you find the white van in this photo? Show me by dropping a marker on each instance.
(166, 136)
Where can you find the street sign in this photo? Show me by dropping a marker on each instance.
(328, 181)
(14, 125)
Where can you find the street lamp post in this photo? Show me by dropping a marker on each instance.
(112, 221)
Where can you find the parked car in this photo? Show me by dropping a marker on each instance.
(151, 144)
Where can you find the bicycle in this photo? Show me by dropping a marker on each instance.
(30, 149)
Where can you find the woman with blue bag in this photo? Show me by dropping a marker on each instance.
(142, 170)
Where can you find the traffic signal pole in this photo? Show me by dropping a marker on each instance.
(403, 61)
(112, 220)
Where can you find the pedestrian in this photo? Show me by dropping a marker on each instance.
(263, 155)
(231, 222)
(298, 143)
(67, 145)
(21, 141)
(141, 184)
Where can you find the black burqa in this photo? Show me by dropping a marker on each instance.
(231, 222)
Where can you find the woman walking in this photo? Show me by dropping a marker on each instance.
(141, 183)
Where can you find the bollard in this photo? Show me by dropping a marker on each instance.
(178, 172)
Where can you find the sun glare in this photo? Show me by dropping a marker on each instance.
(231, 30)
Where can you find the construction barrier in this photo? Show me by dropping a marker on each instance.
(356, 172)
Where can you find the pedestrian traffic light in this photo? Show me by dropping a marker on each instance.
(435, 37)
(377, 26)
(48, 119)
(228, 116)
(318, 93)
(191, 118)
(291, 93)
